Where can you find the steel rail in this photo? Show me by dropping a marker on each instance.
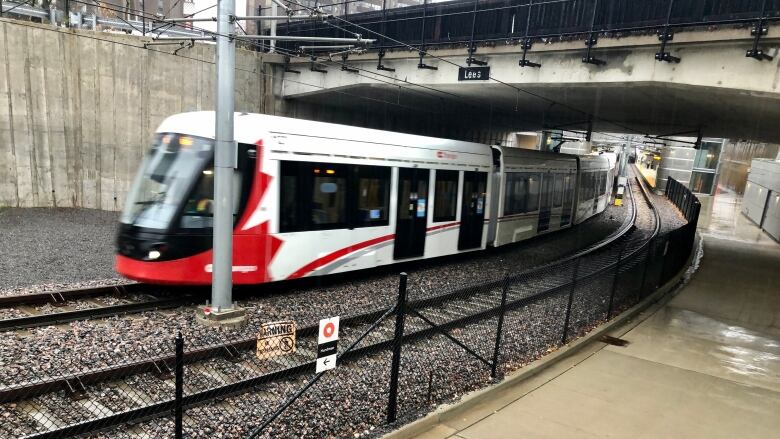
(92, 313)
(67, 294)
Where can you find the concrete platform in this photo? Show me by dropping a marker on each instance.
(706, 364)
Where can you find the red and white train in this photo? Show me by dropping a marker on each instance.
(314, 198)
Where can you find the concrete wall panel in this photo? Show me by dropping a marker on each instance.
(77, 109)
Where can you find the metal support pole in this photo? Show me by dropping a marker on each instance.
(179, 370)
(272, 43)
(224, 159)
(499, 329)
(143, 17)
(571, 300)
(400, 313)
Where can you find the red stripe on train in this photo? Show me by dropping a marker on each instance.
(330, 257)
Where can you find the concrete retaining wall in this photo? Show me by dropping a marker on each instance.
(77, 112)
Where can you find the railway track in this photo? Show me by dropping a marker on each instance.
(62, 298)
(452, 309)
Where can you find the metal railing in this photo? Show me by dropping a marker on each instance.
(524, 22)
(92, 21)
(684, 199)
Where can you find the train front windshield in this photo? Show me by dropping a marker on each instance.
(175, 176)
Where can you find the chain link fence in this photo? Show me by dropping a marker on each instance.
(396, 362)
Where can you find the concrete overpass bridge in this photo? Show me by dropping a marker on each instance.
(718, 78)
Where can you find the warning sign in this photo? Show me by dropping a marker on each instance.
(327, 344)
(274, 339)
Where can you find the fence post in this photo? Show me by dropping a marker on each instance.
(615, 279)
(500, 327)
(178, 412)
(400, 311)
(650, 251)
(571, 299)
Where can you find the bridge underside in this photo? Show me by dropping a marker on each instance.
(714, 87)
(645, 107)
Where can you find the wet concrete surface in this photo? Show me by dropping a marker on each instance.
(704, 365)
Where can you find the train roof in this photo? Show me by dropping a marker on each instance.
(251, 127)
(594, 162)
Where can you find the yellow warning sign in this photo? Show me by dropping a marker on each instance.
(275, 339)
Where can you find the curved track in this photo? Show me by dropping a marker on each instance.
(449, 310)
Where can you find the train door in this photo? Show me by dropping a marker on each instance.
(412, 219)
(546, 203)
(568, 199)
(596, 190)
(472, 214)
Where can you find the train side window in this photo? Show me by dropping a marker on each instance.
(321, 196)
(373, 196)
(313, 196)
(329, 197)
(288, 212)
(446, 196)
(558, 191)
(521, 193)
(515, 193)
(534, 183)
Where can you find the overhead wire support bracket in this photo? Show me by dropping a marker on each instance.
(381, 66)
(665, 35)
(759, 30)
(422, 65)
(524, 62)
(473, 47)
(358, 40)
(592, 40)
(421, 51)
(527, 41)
(287, 66)
(345, 67)
(665, 137)
(313, 66)
(211, 38)
(381, 54)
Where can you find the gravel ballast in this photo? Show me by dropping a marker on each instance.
(42, 352)
(55, 246)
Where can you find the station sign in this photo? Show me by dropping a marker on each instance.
(479, 73)
(327, 344)
(275, 339)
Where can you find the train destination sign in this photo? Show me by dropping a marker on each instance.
(479, 73)
(327, 344)
(275, 339)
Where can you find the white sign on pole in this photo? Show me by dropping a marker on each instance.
(327, 343)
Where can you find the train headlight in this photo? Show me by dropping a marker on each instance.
(153, 254)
